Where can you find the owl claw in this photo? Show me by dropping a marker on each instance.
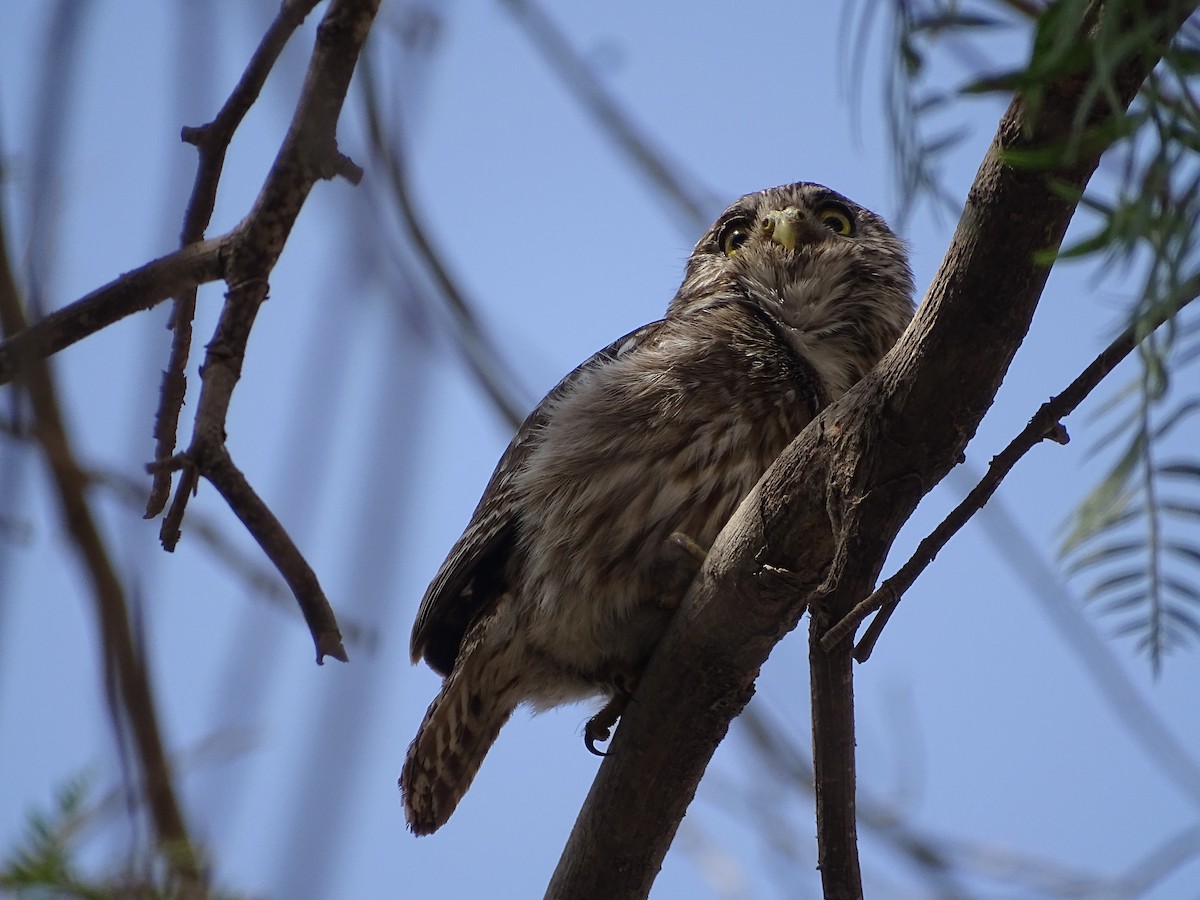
(599, 727)
(677, 568)
(589, 740)
(690, 547)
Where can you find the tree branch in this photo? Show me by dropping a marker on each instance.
(692, 205)
(143, 288)
(492, 372)
(244, 258)
(309, 154)
(276, 543)
(1045, 423)
(831, 505)
(212, 142)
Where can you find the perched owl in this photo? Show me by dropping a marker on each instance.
(600, 510)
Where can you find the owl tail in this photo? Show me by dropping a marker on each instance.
(457, 732)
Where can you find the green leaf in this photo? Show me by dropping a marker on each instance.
(1179, 469)
(1183, 618)
(1124, 603)
(1186, 552)
(1119, 580)
(1182, 588)
(1185, 510)
(1104, 554)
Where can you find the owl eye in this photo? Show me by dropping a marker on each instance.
(733, 235)
(837, 219)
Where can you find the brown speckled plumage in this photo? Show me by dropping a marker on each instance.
(559, 587)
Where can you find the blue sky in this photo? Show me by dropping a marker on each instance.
(357, 421)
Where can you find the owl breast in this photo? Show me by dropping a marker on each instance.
(666, 438)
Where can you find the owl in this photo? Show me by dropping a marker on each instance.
(600, 511)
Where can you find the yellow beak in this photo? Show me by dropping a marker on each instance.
(787, 227)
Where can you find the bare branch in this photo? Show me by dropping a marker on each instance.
(212, 142)
(143, 288)
(309, 154)
(271, 536)
(1045, 423)
(492, 373)
(260, 579)
(831, 505)
(693, 209)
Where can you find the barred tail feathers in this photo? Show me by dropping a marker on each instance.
(458, 730)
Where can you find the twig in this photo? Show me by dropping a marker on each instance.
(279, 547)
(1045, 423)
(212, 142)
(309, 153)
(130, 693)
(141, 289)
(244, 258)
(694, 209)
(261, 580)
(491, 371)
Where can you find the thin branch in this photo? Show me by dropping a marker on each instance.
(260, 579)
(694, 210)
(130, 692)
(212, 142)
(143, 288)
(1045, 423)
(309, 154)
(279, 547)
(491, 371)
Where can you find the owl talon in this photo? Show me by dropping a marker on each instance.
(599, 727)
(678, 567)
(589, 739)
(687, 545)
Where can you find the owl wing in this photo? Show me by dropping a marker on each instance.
(473, 573)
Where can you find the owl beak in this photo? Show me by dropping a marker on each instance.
(789, 227)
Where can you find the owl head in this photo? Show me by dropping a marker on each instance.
(831, 274)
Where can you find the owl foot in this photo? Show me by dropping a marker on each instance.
(599, 727)
(678, 567)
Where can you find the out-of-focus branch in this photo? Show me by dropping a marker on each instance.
(1045, 423)
(487, 364)
(944, 861)
(141, 289)
(212, 142)
(694, 209)
(130, 694)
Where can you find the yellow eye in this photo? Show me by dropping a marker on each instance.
(733, 235)
(837, 219)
